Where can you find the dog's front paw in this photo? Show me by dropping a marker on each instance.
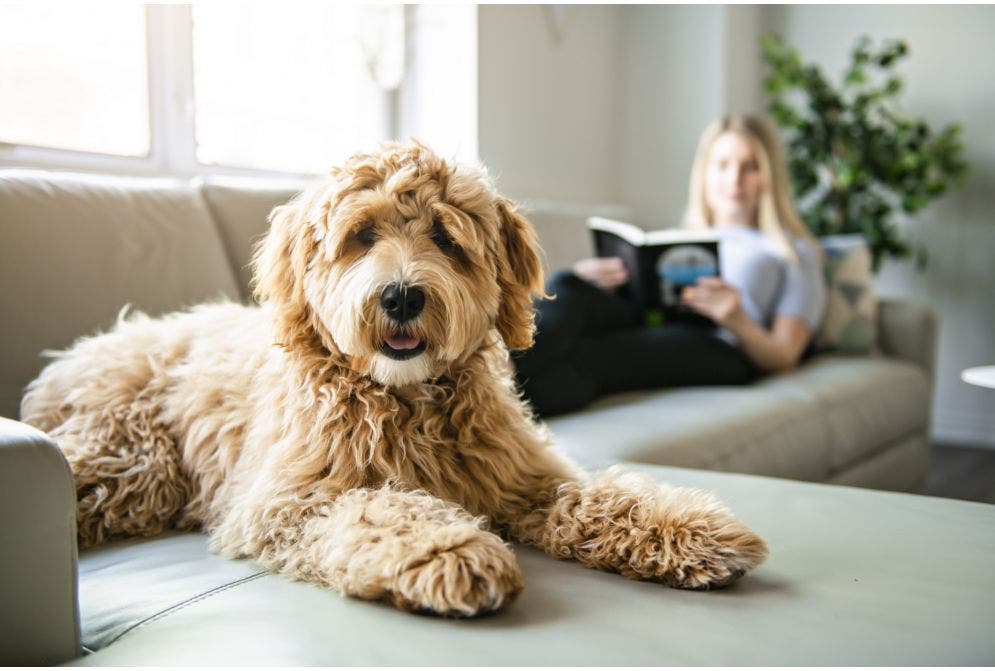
(475, 577)
(712, 551)
(630, 524)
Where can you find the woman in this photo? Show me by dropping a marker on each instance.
(768, 304)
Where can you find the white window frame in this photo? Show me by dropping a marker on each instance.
(172, 143)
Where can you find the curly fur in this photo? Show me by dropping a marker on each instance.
(288, 433)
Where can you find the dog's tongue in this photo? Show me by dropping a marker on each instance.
(403, 342)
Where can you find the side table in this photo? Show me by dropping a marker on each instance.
(982, 376)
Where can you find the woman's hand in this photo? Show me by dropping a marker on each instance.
(716, 300)
(777, 349)
(609, 273)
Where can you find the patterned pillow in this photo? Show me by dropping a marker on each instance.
(850, 323)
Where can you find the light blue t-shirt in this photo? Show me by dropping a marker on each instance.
(769, 285)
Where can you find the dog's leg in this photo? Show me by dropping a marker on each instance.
(127, 471)
(634, 526)
(410, 549)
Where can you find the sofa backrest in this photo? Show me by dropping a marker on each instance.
(241, 209)
(74, 249)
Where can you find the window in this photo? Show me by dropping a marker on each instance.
(300, 82)
(220, 87)
(60, 87)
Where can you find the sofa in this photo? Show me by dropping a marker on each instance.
(856, 576)
(78, 248)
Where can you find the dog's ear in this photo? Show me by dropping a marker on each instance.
(279, 262)
(521, 278)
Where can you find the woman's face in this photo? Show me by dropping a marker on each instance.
(733, 183)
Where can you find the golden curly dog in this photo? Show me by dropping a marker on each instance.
(361, 429)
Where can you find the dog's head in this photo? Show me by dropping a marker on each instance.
(401, 263)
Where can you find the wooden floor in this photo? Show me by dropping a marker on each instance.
(960, 472)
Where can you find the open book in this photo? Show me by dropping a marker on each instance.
(660, 264)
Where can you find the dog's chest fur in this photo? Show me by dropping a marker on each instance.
(312, 426)
(348, 431)
(420, 437)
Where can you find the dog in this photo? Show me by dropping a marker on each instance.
(360, 428)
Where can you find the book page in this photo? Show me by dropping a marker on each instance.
(628, 232)
(667, 236)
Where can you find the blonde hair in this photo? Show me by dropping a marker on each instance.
(776, 214)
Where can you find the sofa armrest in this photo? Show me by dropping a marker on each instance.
(907, 329)
(39, 611)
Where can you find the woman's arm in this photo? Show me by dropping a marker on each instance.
(774, 350)
(778, 349)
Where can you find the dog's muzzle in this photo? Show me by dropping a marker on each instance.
(402, 303)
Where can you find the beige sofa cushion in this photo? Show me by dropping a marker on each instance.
(854, 577)
(865, 403)
(809, 424)
(74, 249)
(241, 208)
(736, 429)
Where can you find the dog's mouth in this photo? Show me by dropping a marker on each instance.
(400, 347)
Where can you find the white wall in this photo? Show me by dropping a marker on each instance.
(744, 66)
(672, 72)
(549, 108)
(950, 76)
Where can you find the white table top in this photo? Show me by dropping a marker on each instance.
(983, 376)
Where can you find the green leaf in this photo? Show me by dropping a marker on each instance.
(861, 53)
(912, 203)
(846, 176)
(909, 161)
(936, 189)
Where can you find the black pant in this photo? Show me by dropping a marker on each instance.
(590, 343)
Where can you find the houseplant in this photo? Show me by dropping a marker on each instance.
(856, 160)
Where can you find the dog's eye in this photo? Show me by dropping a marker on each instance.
(441, 238)
(367, 236)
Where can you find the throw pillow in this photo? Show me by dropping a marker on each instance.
(850, 323)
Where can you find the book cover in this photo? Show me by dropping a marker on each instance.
(660, 264)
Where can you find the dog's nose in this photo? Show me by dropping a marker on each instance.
(402, 302)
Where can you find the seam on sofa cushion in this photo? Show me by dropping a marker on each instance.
(723, 460)
(183, 604)
(864, 458)
(226, 243)
(850, 405)
(824, 409)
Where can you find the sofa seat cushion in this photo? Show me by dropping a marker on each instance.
(866, 403)
(806, 424)
(716, 428)
(854, 577)
(162, 575)
(74, 249)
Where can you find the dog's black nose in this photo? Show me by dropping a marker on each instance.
(402, 302)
